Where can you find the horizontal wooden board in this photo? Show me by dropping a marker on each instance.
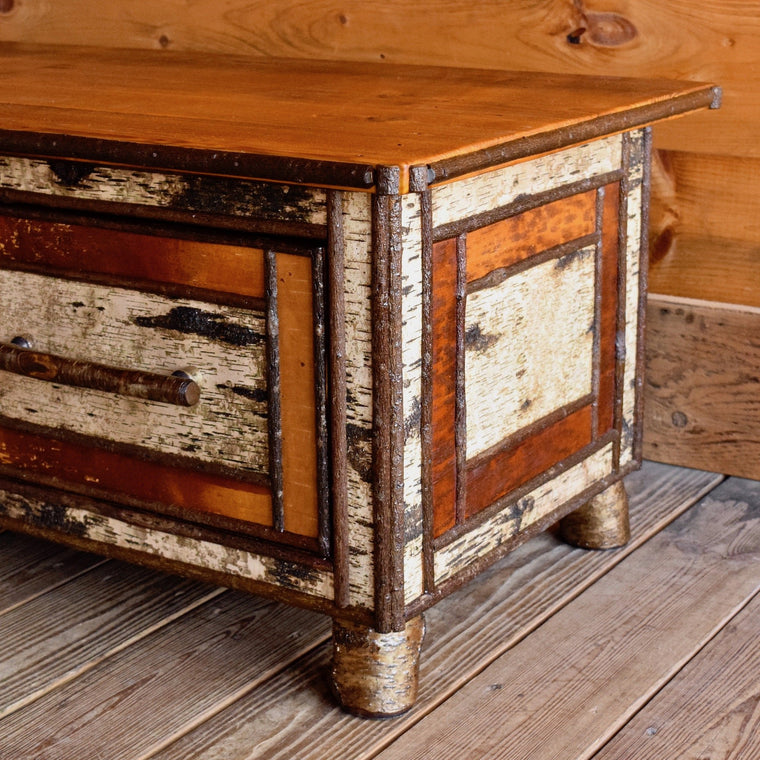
(702, 406)
(130, 704)
(495, 474)
(467, 197)
(462, 552)
(516, 238)
(221, 201)
(348, 115)
(709, 269)
(716, 196)
(113, 475)
(32, 567)
(109, 608)
(76, 249)
(133, 330)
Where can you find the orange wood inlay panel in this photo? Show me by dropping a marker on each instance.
(609, 291)
(136, 478)
(444, 456)
(77, 248)
(298, 416)
(519, 237)
(490, 477)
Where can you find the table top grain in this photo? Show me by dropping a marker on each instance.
(239, 116)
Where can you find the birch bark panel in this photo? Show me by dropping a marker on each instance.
(529, 347)
(297, 394)
(210, 195)
(411, 336)
(490, 534)
(517, 238)
(632, 279)
(443, 380)
(357, 231)
(96, 250)
(195, 552)
(129, 329)
(485, 192)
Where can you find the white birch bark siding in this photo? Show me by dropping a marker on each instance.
(529, 347)
(141, 331)
(191, 551)
(489, 535)
(165, 190)
(464, 198)
(411, 283)
(633, 279)
(357, 232)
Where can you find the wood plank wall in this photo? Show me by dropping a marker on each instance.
(706, 210)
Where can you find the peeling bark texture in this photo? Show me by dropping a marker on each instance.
(633, 273)
(183, 192)
(375, 675)
(357, 232)
(485, 192)
(489, 535)
(83, 523)
(141, 331)
(539, 350)
(602, 523)
(411, 284)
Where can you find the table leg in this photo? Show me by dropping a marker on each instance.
(601, 523)
(375, 674)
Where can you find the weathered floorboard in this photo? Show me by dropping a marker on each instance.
(54, 638)
(133, 702)
(559, 695)
(465, 632)
(710, 709)
(31, 567)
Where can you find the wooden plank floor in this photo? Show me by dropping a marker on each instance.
(650, 651)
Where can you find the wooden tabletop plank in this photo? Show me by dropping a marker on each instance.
(709, 710)
(336, 112)
(466, 631)
(566, 689)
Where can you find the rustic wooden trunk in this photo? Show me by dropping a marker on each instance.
(341, 335)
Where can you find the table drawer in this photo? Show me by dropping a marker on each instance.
(117, 320)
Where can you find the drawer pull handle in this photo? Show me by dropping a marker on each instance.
(179, 390)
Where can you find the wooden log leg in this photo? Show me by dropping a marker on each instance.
(375, 674)
(601, 523)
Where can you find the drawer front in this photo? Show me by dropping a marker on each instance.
(130, 329)
(238, 320)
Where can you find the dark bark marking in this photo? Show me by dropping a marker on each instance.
(476, 340)
(359, 444)
(192, 321)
